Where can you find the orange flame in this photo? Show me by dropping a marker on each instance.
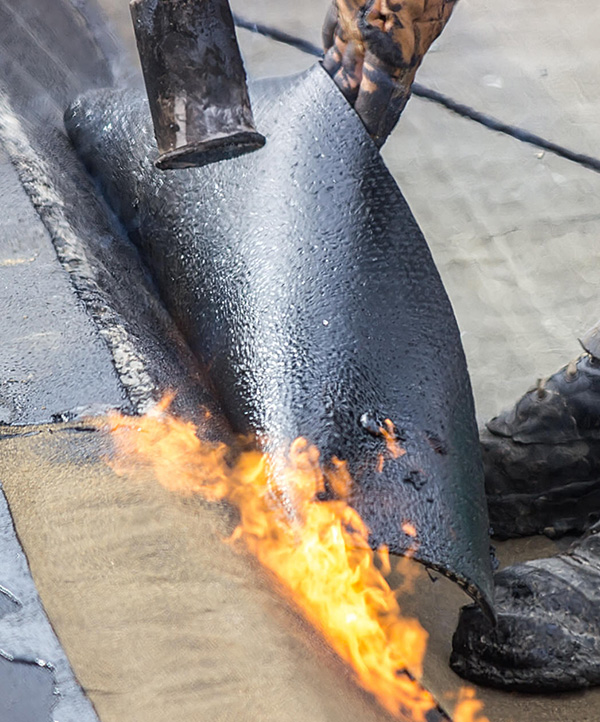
(320, 553)
(469, 708)
(388, 431)
(409, 529)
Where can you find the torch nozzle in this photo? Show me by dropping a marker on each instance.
(195, 81)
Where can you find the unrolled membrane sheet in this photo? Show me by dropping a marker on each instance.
(304, 286)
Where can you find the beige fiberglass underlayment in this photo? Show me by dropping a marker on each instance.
(162, 620)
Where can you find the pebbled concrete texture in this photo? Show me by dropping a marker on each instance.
(53, 360)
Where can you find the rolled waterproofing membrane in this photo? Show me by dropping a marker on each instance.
(297, 274)
(304, 286)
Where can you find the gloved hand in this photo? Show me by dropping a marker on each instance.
(373, 49)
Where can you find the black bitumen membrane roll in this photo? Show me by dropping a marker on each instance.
(304, 286)
(297, 274)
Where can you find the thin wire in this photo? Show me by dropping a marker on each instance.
(275, 34)
(514, 131)
(465, 111)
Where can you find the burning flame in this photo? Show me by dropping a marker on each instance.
(469, 708)
(388, 431)
(319, 554)
(409, 529)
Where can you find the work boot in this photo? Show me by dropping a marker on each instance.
(542, 458)
(547, 638)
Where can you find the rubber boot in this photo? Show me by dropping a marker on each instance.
(547, 637)
(542, 457)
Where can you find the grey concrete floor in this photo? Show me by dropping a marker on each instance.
(52, 358)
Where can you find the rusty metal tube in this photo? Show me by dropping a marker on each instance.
(195, 81)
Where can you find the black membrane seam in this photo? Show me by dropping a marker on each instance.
(421, 91)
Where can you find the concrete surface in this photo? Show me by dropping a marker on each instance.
(26, 692)
(512, 229)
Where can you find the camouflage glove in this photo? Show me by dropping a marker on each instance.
(373, 49)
